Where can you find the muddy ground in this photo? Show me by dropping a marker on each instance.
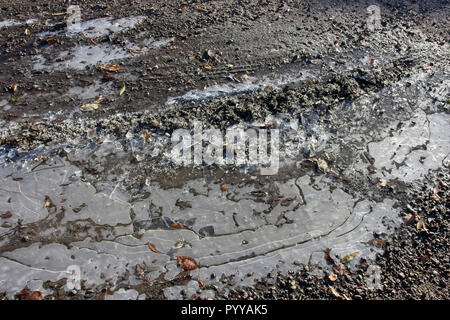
(87, 116)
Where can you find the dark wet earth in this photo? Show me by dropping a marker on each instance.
(358, 208)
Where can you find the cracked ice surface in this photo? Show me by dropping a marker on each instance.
(248, 229)
(420, 145)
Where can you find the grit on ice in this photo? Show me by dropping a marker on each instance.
(198, 310)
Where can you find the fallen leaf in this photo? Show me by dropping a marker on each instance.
(177, 225)
(153, 248)
(14, 87)
(376, 242)
(111, 67)
(51, 41)
(187, 263)
(147, 137)
(136, 50)
(90, 106)
(334, 292)
(340, 269)
(349, 257)
(93, 41)
(29, 295)
(207, 66)
(139, 271)
(409, 218)
(223, 187)
(6, 215)
(332, 277)
(122, 90)
(109, 292)
(436, 190)
(27, 32)
(327, 256)
(337, 295)
(321, 164)
(201, 283)
(421, 225)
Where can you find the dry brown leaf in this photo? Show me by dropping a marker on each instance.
(51, 41)
(14, 87)
(334, 292)
(111, 67)
(6, 215)
(187, 263)
(223, 187)
(177, 225)
(29, 295)
(421, 225)
(337, 295)
(409, 218)
(152, 247)
(328, 257)
(136, 50)
(332, 277)
(376, 242)
(207, 66)
(201, 283)
(93, 41)
(436, 190)
(90, 106)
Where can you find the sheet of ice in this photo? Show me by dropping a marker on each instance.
(100, 27)
(82, 56)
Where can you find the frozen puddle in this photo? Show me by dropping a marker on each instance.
(99, 27)
(85, 55)
(248, 229)
(420, 145)
(13, 23)
(82, 56)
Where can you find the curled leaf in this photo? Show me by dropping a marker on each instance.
(153, 248)
(187, 263)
